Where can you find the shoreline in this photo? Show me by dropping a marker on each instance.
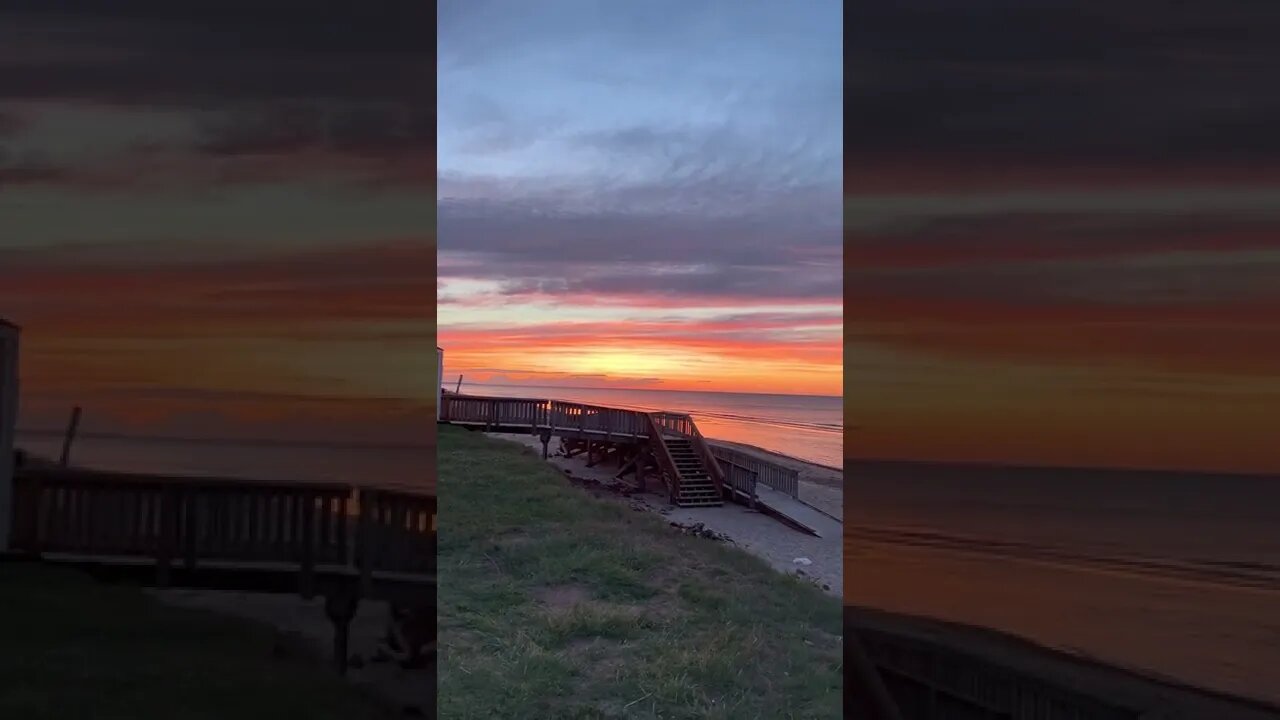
(767, 538)
(818, 468)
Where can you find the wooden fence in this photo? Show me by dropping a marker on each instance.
(779, 478)
(931, 682)
(556, 416)
(739, 478)
(194, 520)
(539, 415)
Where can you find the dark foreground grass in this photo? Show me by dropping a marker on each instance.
(74, 648)
(553, 604)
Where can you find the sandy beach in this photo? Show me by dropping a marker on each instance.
(777, 544)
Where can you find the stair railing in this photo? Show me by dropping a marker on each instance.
(663, 454)
(683, 425)
(708, 459)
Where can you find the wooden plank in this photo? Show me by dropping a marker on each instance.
(168, 535)
(364, 556)
(190, 522)
(306, 575)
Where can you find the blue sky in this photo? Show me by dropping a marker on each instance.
(646, 157)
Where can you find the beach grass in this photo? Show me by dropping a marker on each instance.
(556, 604)
(74, 648)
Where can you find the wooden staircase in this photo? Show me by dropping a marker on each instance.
(693, 484)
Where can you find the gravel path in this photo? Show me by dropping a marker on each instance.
(758, 534)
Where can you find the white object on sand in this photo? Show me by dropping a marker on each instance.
(802, 561)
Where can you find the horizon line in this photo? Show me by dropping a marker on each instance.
(214, 440)
(591, 387)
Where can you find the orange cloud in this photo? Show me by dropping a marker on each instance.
(765, 353)
(241, 340)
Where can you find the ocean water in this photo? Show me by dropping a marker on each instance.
(401, 466)
(1173, 573)
(1213, 520)
(803, 426)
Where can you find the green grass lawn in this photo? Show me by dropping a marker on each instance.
(554, 604)
(74, 648)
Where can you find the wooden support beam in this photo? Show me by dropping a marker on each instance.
(340, 605)
(307, 571)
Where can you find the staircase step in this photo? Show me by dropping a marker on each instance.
(697, 491)
(699, 496)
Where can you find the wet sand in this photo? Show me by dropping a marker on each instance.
(758, 534)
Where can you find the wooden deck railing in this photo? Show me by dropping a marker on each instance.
(551, 416)
(192, 520)
(542, 415)
(928, 680)
(678, 423)
(779, 478)
(395, 532)
(740, 478)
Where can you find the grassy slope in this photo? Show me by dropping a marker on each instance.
(73, 648)
(558, 605)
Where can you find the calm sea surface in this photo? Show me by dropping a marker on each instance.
(1170, 572)
(804, 426)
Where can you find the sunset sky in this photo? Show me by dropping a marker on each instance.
(217, 224)
(1063, 234)
(641, 194)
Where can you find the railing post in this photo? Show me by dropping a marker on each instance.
(364, 553)
(190, 537)
(866, 697)
(306, 575)
(28, 497)
(169, 509)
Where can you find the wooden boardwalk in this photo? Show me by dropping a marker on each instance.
(339, 541)
(669, 445)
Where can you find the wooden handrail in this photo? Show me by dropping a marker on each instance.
(185, 520)
(74, 476)
(663, 455)
(683, 424)
(866, 695)
(708, 459)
